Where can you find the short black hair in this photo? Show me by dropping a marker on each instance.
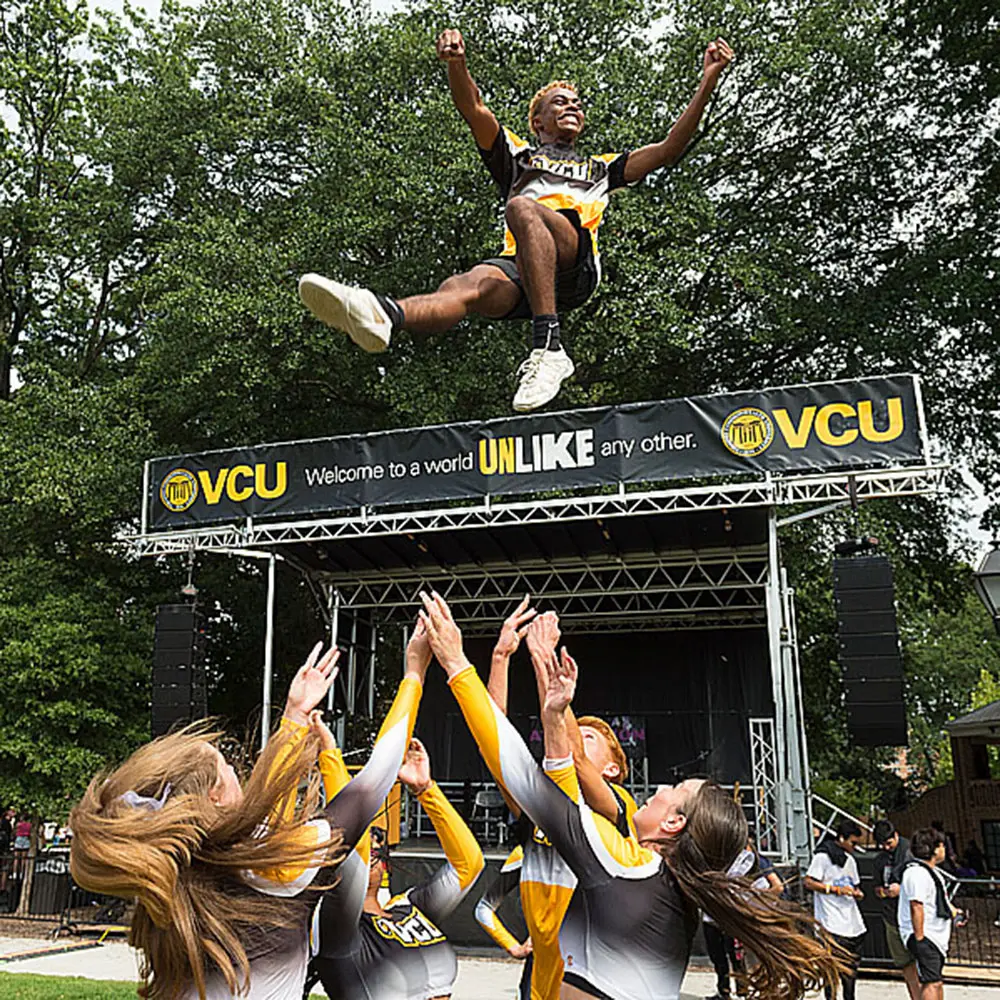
(924, 843)
(883, 831)
(848, 828)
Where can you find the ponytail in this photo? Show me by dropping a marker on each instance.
(792, 960)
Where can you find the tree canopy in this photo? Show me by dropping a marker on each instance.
(163, 182)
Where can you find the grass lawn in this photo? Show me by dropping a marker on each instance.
(29, 987)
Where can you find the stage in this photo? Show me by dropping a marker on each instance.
(652, 529)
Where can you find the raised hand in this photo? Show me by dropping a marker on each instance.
(543, 636)
(445, 636)
(415, 771)
(514, 628)
(321, 730)
(418, 651)
(561, 686)
(718, 56)
(310, 685)
(450, 45)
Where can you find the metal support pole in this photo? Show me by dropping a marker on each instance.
(265, 719)
(371, 671)
(352, 667)
(800, 827)
(334, 605)
(774, 628)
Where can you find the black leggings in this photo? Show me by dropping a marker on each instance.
(722, 952)
(853, 945)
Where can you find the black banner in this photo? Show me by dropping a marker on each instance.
(835, 425)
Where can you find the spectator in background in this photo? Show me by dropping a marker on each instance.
(950, 863)
(974, 858)
(6, 831)
(925, 912)
(895, 852)
(833, 880)
(6, 844)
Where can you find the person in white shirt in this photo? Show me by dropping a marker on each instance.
(834, 881)
(925, 913)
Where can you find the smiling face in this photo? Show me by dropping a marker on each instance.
(664, 814)
(558, 117)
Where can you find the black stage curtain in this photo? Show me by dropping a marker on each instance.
(695, 690)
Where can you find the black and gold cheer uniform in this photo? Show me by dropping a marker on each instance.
(546, 884)
(402, 955)
(627, 934)
(560, 178)
(279, 956)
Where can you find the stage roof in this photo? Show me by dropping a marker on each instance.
(651, 515)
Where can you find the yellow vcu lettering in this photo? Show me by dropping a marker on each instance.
(239, 493)
(507, 456)
(213, 490)
(280, 481)
(487, 456)
(795, 437)
(866, 420)
(823, 431)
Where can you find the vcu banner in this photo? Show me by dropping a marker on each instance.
(809, 428)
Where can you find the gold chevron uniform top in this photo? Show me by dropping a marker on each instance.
(628, 930)
(403, 955)
(279, 957)
(556, 176)
(546, 884)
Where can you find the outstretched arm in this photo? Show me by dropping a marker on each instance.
(464, 92)
(445, 889)
(660, 154)
(486, 909)
(543, 637)
(514, 628)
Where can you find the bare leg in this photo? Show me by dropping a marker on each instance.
(912, 980)
(547, 243)
(485, 291)
(932, 991)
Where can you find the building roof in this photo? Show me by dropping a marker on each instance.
(983, 721)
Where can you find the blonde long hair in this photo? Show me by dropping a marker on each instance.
(184, 862)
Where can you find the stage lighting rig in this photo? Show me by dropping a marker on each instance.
(856, 546)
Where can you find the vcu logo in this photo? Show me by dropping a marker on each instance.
(750, 431)
(180, 488)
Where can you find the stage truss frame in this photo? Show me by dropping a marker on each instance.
(706, 588)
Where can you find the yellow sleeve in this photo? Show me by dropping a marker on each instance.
(333, 771)
(292, 733)
(460, 846)
(486, 909)
(565, 777)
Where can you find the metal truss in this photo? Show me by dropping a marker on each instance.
(764, 762)
(772, 491)
(724, 586)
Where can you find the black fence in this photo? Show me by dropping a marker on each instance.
(54, 894)
(976, 944)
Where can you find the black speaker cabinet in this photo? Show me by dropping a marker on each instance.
(179, 691)
(868, 649)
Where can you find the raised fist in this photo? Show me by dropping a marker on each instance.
(451, 45)
(718, 56)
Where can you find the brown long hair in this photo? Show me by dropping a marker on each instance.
(183, 863)
(793, 960)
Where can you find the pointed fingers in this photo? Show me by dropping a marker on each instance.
(313, 656)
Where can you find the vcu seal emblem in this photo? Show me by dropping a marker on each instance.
(747, 431)
(178, 490)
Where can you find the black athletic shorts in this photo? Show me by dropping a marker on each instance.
(929, 959)
(573, 287)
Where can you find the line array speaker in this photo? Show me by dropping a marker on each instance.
(868, 649)
(179, 692)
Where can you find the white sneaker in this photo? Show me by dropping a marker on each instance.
(542, 373)
(355, 311)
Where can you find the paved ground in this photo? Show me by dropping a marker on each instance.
(479, 978)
